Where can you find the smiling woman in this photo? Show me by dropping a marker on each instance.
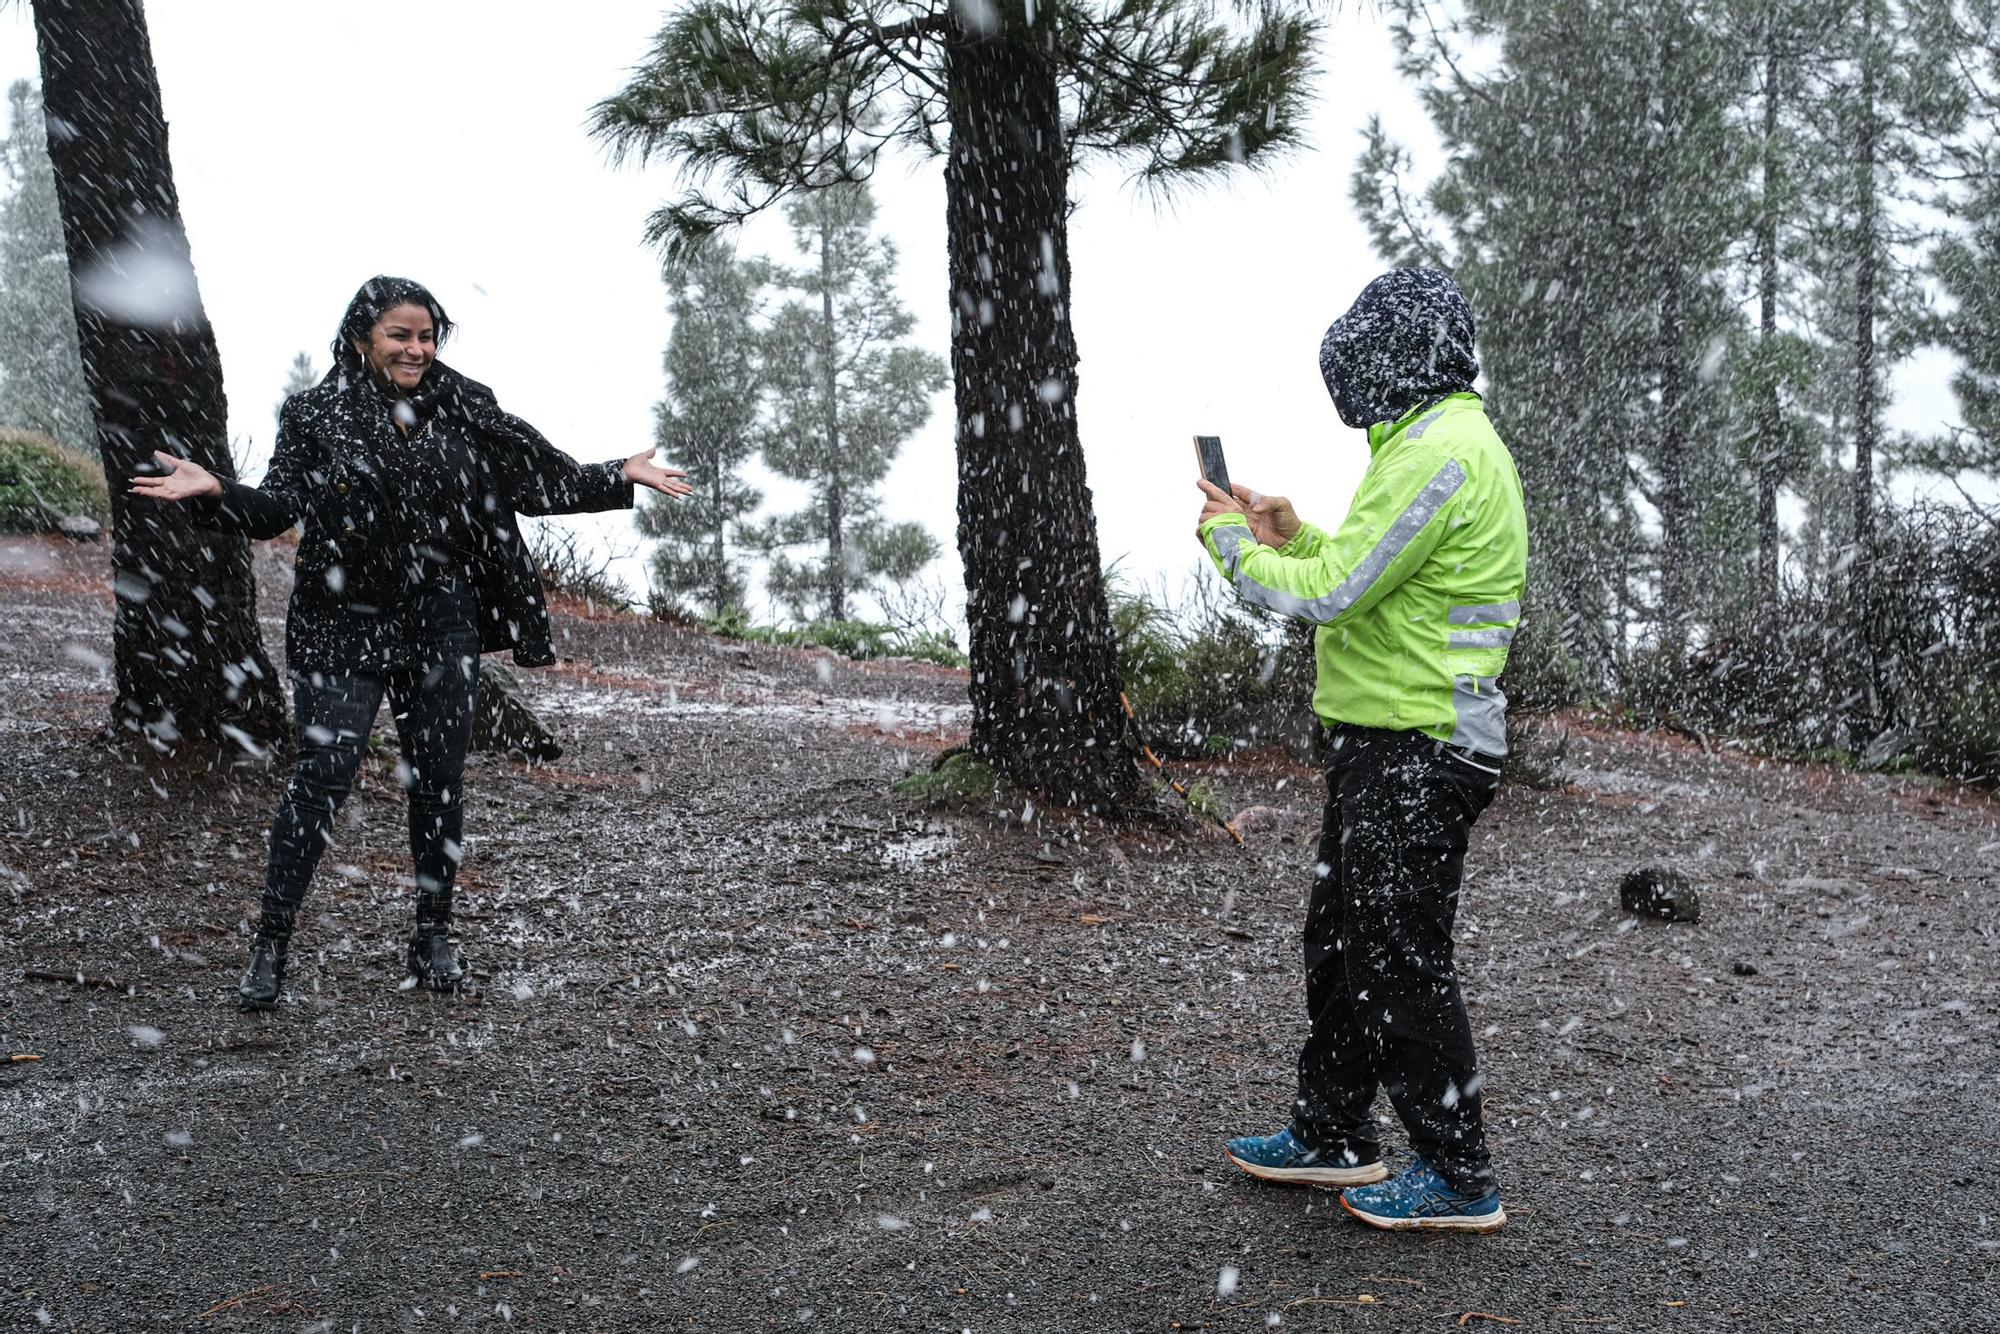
(394, 326)
(406, 478)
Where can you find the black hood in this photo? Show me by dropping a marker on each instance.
(1406, 341)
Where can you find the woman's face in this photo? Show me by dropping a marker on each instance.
(402, 345)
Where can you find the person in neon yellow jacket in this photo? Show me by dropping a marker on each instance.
(1416, 596)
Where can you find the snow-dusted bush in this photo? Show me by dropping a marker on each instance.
(41, 483)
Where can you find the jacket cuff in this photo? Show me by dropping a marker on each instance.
(1301, 541)
(618, 493)
(226, 513)
(1210, 525)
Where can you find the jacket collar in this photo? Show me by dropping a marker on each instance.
(1381, 434)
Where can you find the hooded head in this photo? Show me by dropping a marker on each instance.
(1405, 341)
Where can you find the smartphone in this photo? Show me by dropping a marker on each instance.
(1208, 451)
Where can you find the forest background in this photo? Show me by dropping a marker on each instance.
(1203, 310)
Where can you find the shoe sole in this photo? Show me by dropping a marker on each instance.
(1366, 1175)
(1492, 1222)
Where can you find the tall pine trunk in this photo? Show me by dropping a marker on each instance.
(718, 552)
(1045, 683)
(1673, 373)
(190, 661)
(1673, 464)
(1770, 422)
(836, 548)
(1862, 593)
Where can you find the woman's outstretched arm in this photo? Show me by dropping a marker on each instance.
(229, 506)
(554, 483)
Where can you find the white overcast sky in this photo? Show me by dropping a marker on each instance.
(315, 145)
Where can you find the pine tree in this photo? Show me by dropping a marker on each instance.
(778, 96)
(846, 391)
(1886, 117)
(707, 424)
(1592, 191)
(1966, 260)
(41, 374)
(187, 651)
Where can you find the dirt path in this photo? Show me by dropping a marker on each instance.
(756, 1045)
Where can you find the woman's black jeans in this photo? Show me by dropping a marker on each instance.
(431, 701)
(1380, 982)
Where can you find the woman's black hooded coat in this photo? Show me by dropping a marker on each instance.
(334, 473)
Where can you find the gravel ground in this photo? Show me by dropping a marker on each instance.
(754, 1044)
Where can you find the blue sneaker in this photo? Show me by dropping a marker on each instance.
(1419, 1198)
(1280, 1157)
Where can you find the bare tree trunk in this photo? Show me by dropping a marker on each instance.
(836, 552)
(190, 660)
(719, 552)
(1770, 422)
(1867, 242)
(1862, 593)
(1045, 682)
(1673, 466)
(1672, 370)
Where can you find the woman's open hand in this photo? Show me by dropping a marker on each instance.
(641, 469)
(184, 479)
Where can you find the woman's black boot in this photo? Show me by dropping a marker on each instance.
(431, 960)
(265, 977)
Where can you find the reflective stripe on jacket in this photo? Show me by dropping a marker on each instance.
(1418, 594)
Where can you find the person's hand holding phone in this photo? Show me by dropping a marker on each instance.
(1215, 501)
(1273, 522)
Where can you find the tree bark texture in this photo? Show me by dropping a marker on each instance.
(1673, 463)
(836, 548)
(1867, 242)
(1045, 681)
(1770, 423)
(1863, 595)
(189, 657)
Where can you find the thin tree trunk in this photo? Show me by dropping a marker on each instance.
(1673, 376)
(1862, 594)
(1673, 465)
(1770, 422)
(836, 554)
(1045, 683)
(1573, 554)
(189, 657)
(1865, 259)
(718, 553)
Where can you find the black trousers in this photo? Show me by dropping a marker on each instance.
(431, 699)
(1380, 983)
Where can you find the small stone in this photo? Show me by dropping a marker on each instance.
(1252, 818)
(79, 528)
(1658, 891)
(1743, 968)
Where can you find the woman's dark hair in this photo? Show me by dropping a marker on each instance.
(377, 295)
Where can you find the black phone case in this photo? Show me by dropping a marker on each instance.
(1208, 448)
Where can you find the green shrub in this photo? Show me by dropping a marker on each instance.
(861, 640)
(41, 483)
(930, 646)
(1212, 677)
(956, 782)
(1908, 681)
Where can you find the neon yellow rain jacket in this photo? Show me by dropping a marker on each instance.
(1418, 594)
